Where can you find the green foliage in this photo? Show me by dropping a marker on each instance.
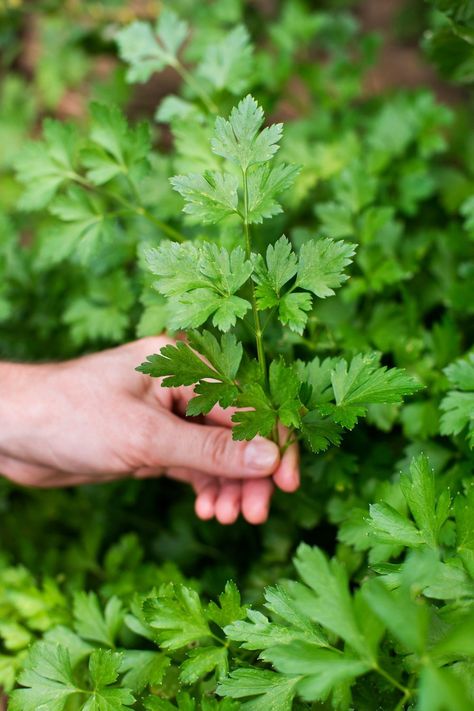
(318, 297)
(149, 51)
(450, 42)
(203, 281)
(48, 680)
(458, 405)
(406, 628)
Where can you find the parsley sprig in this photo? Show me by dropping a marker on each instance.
(207, 284)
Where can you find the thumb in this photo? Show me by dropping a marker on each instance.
(212, 450)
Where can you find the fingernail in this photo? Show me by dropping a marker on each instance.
(261, 454)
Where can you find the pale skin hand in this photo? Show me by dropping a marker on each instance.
(96, 419)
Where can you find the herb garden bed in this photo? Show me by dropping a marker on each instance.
(320, 276)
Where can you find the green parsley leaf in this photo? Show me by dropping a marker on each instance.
(143, 668)
(209, 197)
(259, 633)
(148, 52)
(293, 310)
(178, 365)
(43, 166)
(272, 691)
(389, 526)
(136, 622)
(229, 609)
(464, 513)
(182, 366)
(461, 373)
(47, 674)
(467, 211)
(177, 617)
(441, 690)
(336, 220)
(78, 649)
(104, 668)
(270, 276)
(212, 704)
(202, 281)
(118, 149)
(225, 356)
(227, 65)
(457, 642)
(458, 409)
(321, 265)
(156, 703)
(355, 186)
(154, 317)
(290, 624)
(284, 388)
(202, 661)
(284, 607)
(87, 227)
(228, 271)
(93, 624)
(260, 419)
(240, 140)
(208, 395)
(406, 618)
(332, 606)
(364, 382)
(283, 405)
(103, 313)
(458, 405)
(321, 669)
(265, 182)
(185, 702)
(214, 195)
(320, 432)
(317, 375)
(429, 510)
(176, 265)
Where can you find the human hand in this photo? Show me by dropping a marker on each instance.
(96, 419)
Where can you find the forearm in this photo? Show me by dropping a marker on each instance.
(20, 407)
(30, 422)
(12, 382)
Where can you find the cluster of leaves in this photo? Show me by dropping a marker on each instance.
(99, 252)
(458, 405)
(450, 40)
(26, 611)
(406, 630)
(102, 298)
(201, 282)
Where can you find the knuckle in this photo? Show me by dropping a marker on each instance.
(216, 447)
(140, 438)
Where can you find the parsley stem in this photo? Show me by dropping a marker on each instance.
(393, 681)
(269, 318)
(256, 316)
(137, 210)
(196, 87)
(173, 234)
(291, 440)
(401, 704)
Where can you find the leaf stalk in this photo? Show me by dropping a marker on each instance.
(256, 317)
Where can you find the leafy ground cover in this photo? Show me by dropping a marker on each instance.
(325, 269)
